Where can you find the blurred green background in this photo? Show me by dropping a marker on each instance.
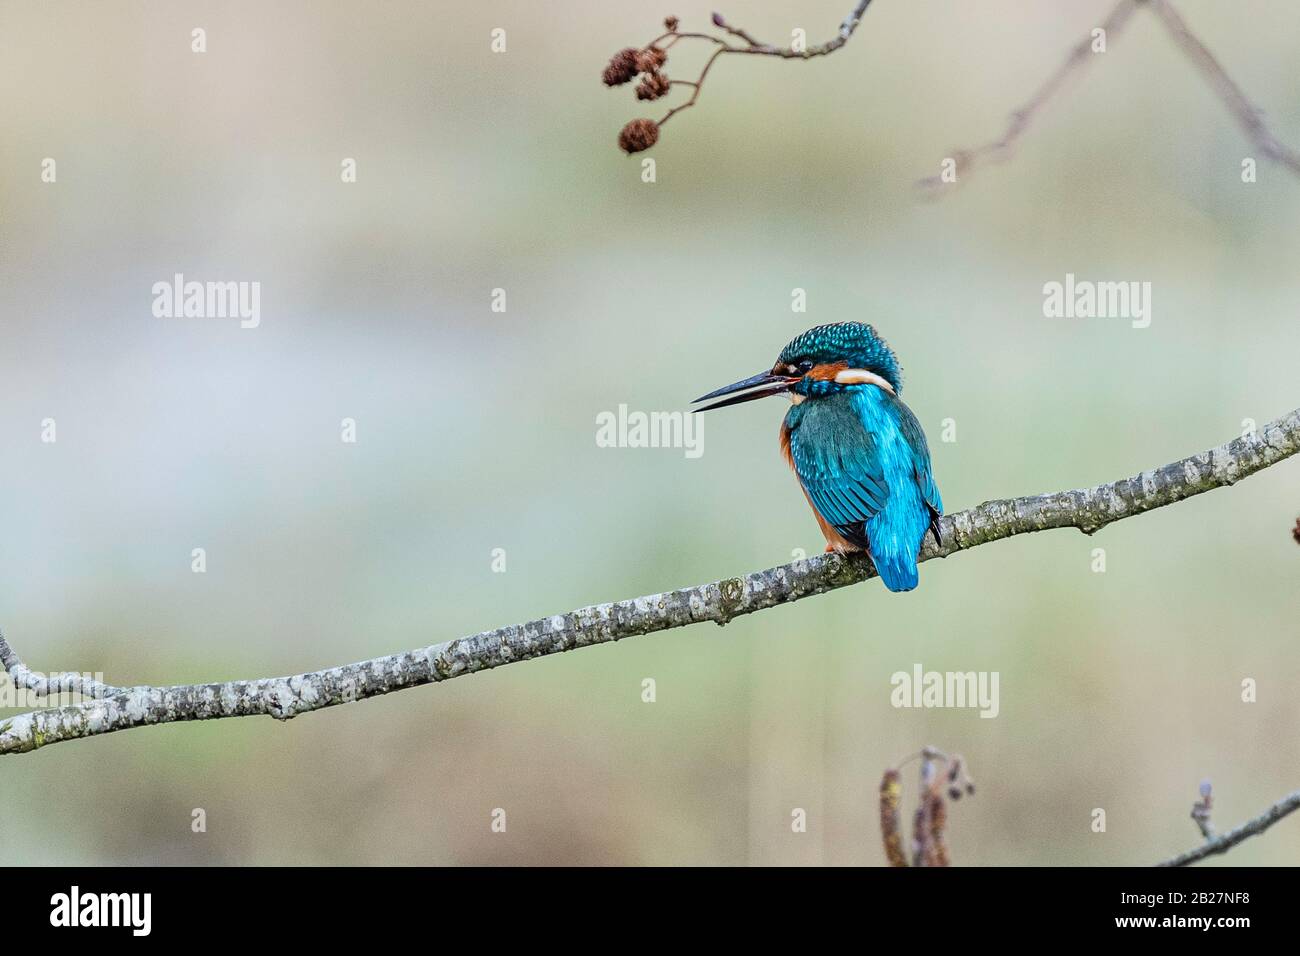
(476, 429)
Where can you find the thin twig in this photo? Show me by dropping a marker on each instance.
(698, 85)
(996, 150)
(1203, 811)
(1087, 509)
(1250, 828)
(45, 685)
(847, 28)
(1248, 116)
(749, 45)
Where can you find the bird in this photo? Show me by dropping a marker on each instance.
(859, 453)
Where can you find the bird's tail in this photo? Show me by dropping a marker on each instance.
(898, 571)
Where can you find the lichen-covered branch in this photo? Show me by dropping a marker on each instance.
(44, 685)
(1224, 843)
(111, 709)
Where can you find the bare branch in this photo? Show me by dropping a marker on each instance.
(1088, 509)
(1248, 116)
(641, 134)
(996, 150)
(847, 28)
(44, 685)
(1203, 811)
(1248, 829)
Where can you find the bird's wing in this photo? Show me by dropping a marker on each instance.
(839, 467)
(915, 437)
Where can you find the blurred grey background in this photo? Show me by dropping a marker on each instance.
(476, 429)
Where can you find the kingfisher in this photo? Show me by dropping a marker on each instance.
(859, 453)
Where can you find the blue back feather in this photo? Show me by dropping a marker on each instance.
(862, 458)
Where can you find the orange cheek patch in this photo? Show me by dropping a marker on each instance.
(827, 372)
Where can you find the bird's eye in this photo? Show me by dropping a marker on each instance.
(806, 365)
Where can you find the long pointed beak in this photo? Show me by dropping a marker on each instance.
(763, 385)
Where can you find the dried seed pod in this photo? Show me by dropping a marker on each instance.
(622, 67)
(891, 795)
(670, 24)
(653, 86)
(638, 135)
(938, 850)
(650, 59)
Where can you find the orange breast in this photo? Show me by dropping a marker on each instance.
(834, 540)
